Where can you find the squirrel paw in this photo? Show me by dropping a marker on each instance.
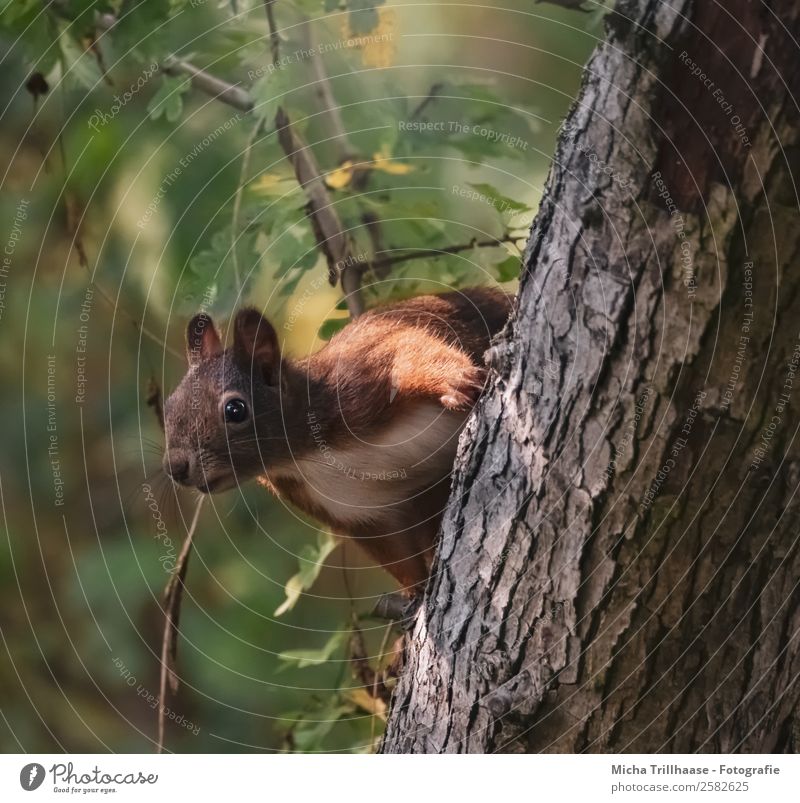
(465, 391)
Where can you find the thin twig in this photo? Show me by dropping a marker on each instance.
(324, 219)
(370, 678)
(346, 581)
(173, 595)
(154, 399)
(237, 201)
(210, 84)
(381, 653)
(202, 80)
(431, 96)
(74, 220)
(423, 253)
(327, 101)
(325, 223)
(350, 274)
(83, 260)
(372, 224)
(274, 36)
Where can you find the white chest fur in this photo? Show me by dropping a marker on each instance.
(363, 481)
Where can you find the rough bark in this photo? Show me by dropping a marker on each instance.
(619, 563)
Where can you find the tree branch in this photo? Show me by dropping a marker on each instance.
(324, 219)
(173, 596)
(274, 37)
(203, 81)
(450, 249)
(429, 98)
(327, 101)
(237, 202)
(328, 230)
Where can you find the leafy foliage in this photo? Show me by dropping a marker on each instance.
(305, 658)
(168, 101)
(311, 559)
(404, 155)
(180, 200)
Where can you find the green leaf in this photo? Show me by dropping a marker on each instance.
(302, 659)
(270, 89)
(144, 31)
(293, 249)
(374, 125)
(311, 558)
(472, 118)
(409, 216)
(13, 13)
(288, 286)
(508, 269)
(496, 261)
(330, 327)
(502, 203)
(309, 728)
(80, 66)
(212, 271)
(34, 33)
(168, 101)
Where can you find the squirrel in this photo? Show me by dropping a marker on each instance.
(361, 435)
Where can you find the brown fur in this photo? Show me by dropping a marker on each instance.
(361, 435)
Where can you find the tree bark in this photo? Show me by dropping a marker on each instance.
(618, 568)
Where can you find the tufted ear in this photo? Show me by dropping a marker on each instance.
(202, 339)
(255, 342)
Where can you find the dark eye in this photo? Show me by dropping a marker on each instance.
(235, 411)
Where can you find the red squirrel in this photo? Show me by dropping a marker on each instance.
(361, 435)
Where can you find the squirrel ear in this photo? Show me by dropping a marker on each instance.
(255, 341)
(202, 339)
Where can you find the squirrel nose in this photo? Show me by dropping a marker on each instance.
(176, 464)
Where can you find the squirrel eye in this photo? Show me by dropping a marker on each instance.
(235, 411)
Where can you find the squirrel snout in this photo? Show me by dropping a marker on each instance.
(176, 465)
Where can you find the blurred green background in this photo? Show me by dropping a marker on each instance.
(83, 564)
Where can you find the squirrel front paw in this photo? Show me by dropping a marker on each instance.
(462, 393)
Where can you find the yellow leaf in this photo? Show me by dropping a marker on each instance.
(378, 48)
(267, 183)
(384, 163)
(366, 702)
(338, 179)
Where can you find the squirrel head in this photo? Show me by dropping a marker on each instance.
(223, 423)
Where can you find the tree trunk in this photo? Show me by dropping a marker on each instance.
(619, 563)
